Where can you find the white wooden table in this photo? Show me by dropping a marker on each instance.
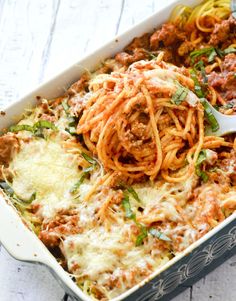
(38, 38)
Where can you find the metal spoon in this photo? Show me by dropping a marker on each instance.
(227, 123)
(233, 7)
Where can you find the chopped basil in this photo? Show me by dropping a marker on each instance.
(85, 172)
(180, 94)
(65, 106)
(31, 199)
(201, 158)
(229, 50)
(209, 115)
(229, 105)
(127, 207)
(88, 158)
(133, 193)
(8, 190)
(71, 130)
(154, 232)
(211, 56)
(211, 53)
(35, 129)
(78, 183)
(143, 234)
(44, 124)
(207, 109)
(197, 86)
(200, 66)
(21, 127)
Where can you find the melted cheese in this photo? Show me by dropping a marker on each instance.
(44, 168)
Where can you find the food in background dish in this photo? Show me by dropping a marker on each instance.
(117, 176)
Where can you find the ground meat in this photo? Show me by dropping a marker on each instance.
(225, 82)
(80, 85)
(208, 210)
(185, 48)
(169, 35)
(141, 42)
(126, 59)
(228, 165)
(222, 30)
(220, 33)
(9, 144)
(64, 223)
(137, 50)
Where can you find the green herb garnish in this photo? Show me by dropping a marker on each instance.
(207, 109)
(10, 192)
(229, 50)
(209, 115)
(65, 106)
(35, 129)
(133, 193)
(21, 127)
(7, 188)
(154, 232)
(197, 86)
(88, 158)
(201, 158)
(85, 172)
(78, 183)
(143, 234)
(127, 207)
(180, 94)
(210, 52)
(200, 66)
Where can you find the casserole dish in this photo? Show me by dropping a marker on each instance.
(193, 262)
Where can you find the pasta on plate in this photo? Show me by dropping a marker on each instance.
(118, 175)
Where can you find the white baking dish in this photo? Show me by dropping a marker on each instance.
(22, 244)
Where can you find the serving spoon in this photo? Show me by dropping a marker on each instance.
(227, 123)
(233, 7)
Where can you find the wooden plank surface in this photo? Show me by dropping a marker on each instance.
(38, 39)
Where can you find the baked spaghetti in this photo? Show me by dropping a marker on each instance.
(117, 175)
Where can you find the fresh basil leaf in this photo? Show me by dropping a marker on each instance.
(143, 234)
(30, 200)
(77, 184)
(133, 193)
(211, 56)
(44, 124)
(180, 95)
(201, 157)
(209, 115)
(200, 66)
(197, 86)
(229, 105)
(209, 52)
(21, 127)
(154, 232)
(88, 158)
(41, 124)
(8, 190)
(229, 50)
(82, 178)
(127, 207)
(199, 172)
(65, 106)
